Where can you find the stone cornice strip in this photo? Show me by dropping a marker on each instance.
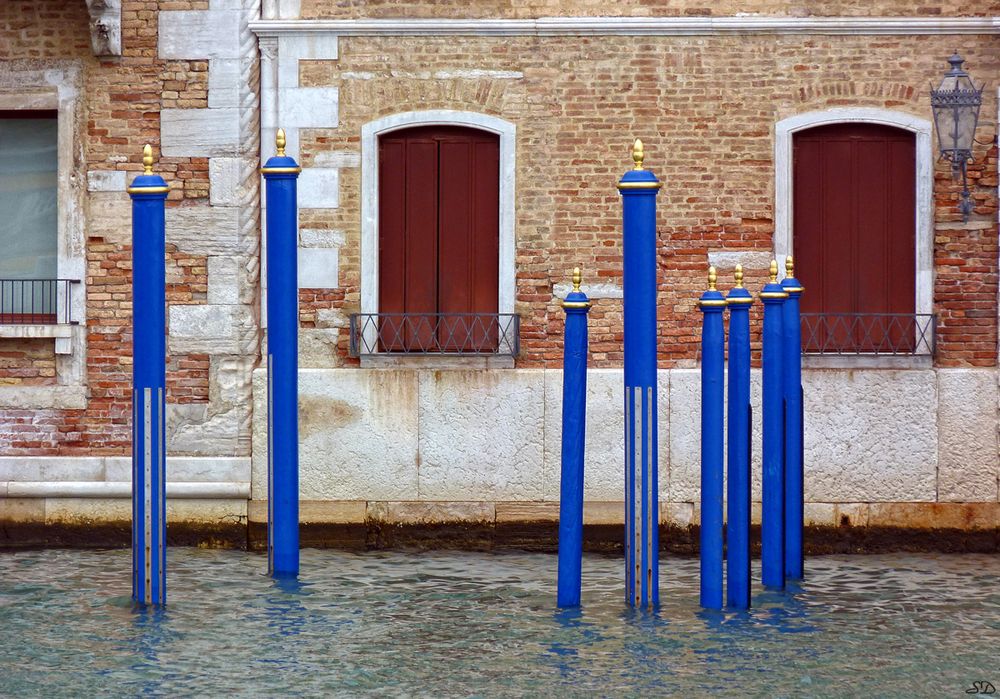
(632, 26)
(121, 489)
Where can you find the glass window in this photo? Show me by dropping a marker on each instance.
(28, 202)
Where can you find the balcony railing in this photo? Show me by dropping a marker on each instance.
(891, 334)
(477, 334)
(36, 301)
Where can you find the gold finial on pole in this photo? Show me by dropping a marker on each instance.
(279, 142)
(738, 276)
(774, 271)
(637, 154)
(789, 266)
(147, 160)
(577, 278)
(712, 278)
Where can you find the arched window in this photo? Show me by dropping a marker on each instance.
(437, 236)
(853, 201)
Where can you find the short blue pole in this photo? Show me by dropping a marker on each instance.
(574, 421)
(773, 486)
(739, 301)
(149, 379)
(280, 174)
(712, 305)
(791, 363)
(638, 188)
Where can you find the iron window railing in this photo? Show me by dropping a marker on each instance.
(894, 334)
(496, 334)
(36, 301)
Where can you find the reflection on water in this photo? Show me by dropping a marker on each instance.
(457, 624)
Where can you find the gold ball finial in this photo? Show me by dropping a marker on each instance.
(712, 278)
(577, 278)
(637, 154)
(147, 160)
(774, 271)
(279, 142)
(738, 276)
(789, 266)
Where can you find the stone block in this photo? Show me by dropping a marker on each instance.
(308, 107)
(870, 435)
(967, 435)
(431, 512)
(110, 217)
(527, 512)
(482, 435)
(199, 133)
(318, 347)
(22, 510)
(215, 329)
(320, 238)
(223, 83)
(357, 432)
(223, 280)
(319, 188)
(678, 514)
(935, 515)
(204, 230)
(337, 158)
(318, 268)
(106, 181)
(600, 512)
(604, 448)
(225, 179)
(199, 34)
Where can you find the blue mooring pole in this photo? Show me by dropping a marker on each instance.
(791, 363)
(738, 418)
(772, 543)
(574, 421)
(280, 174)
(149, 379)
(712, 305)
(638, 188)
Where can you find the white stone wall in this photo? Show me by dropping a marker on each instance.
(494, 435)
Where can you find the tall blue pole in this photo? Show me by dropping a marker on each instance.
(574, 421)
(149, 379)
(738, 418)
(280, 174)
(791, 363)
(773, 495)
(712, 305)
(638, 188)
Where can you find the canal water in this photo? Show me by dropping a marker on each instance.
(465, 624)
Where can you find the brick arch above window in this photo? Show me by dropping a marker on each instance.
(924, 212)
(370, 133)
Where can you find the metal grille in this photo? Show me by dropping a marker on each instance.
(496, 334)
(36, 301)
(900, 334)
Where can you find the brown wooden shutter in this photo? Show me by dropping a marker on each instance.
(439, 233)
(854, 201)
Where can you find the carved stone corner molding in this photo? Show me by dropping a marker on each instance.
(105, 27)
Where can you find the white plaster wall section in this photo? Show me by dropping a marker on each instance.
(924, 207)
(871, 436)
(370, 133)
(967, 435)
(357, 431)
(604, 451)
(481, 434)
